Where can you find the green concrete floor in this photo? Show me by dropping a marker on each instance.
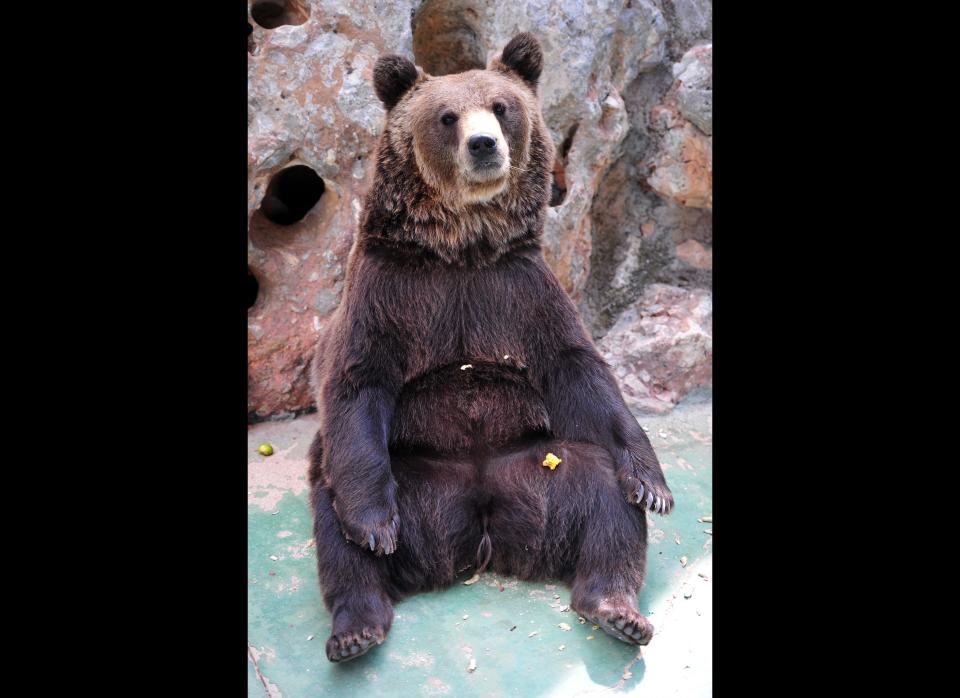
(434, 636)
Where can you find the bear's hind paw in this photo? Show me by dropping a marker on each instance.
(627, 625)
(342, 647)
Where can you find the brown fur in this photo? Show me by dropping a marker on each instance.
(455, 362)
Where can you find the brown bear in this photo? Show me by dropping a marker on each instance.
(456, 363)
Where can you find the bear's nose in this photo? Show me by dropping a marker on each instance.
(482, 144)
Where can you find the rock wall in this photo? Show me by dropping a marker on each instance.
(627, 94)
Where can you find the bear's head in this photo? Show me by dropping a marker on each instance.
(467, 156)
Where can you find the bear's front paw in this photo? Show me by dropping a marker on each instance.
(375, 527)
(647, 492)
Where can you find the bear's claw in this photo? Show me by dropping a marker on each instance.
(657, 499)
(383, 539)
(379, 536)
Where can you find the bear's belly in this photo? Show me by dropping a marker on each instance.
(457, 410)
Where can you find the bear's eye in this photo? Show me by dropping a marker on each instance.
(448, 119)
(499, 108)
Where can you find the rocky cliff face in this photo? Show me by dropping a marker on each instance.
(627, 94)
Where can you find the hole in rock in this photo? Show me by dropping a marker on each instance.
(271, 14)
(292, 192)
(446, 37)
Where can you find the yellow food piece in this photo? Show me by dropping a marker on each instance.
(551, 461)
(265, 449)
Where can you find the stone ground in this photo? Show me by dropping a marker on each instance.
(435, 635)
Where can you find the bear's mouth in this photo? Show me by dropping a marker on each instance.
(486, 171)
(478, 192)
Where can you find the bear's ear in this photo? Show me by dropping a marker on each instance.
(522, 56)
(392, 76)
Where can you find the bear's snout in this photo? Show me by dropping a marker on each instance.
(482, 146)
(485, 157)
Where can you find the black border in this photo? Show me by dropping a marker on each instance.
(146, 364)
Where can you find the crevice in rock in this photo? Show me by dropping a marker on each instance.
(558, 188)
(635, 234)
(253, 288)
(634, 231)
(251, 44)
(446, 37)
(271, 14)
(292, 192)
(568, 141)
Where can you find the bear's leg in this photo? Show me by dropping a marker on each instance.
(574, 524)
(439, 534)
(354, 585)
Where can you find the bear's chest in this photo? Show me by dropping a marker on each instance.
(460, 317)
